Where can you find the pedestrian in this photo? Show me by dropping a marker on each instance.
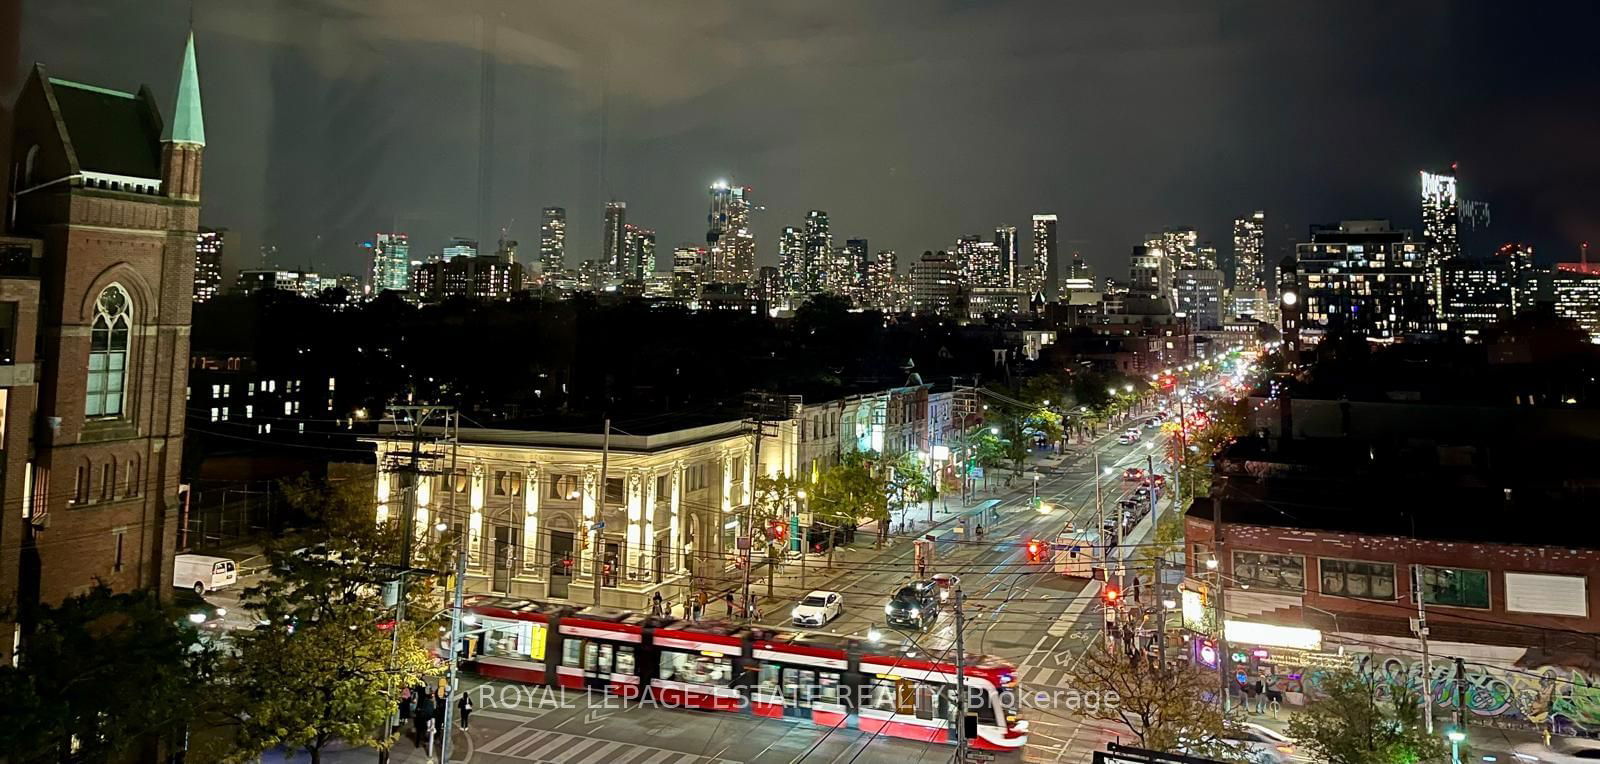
(980, 533)
(464, 708)
(695, 606)
(1260, 696)
(728, 599)
(655, 603)
(405, 704)
(1249, 690)
(423, 718)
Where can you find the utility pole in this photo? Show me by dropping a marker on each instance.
(1161, 617)
(1224, 671)
(1461, 694)
(1421, 628)
(408, 466)
(595, 561)
(455, 650)
(961, 676)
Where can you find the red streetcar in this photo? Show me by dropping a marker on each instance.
(732, 668)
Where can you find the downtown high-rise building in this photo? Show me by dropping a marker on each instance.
(882, 285)
(1249, 246)
(728, 236)
(639, 247)
(460, 246)
(816, 254)
(1150, 272)
(1182, 246)
(859, 256)
(1199, 296)
(1080, 277)
(1044, 254)
(791, 256)
(1005, 237)
(1440, 217)
(936, 284)
(553, 240)
(687, 263)
(614, 240)
(1363, 277)
(209, 246)
(391, 263)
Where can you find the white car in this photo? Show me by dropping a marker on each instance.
(1129, 437)
(817, 609)
(1563, 751)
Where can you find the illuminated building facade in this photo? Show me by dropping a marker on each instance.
(391, 262)
(1005, 237)
(1249, 242)
(614, 240)
(1044, 255)
(253, 280)
(881, 292)
(791, 257)
(817, 254)
(639, 246)
(1150, 272)
(1364, 277)
(1199, 296)
(935, 284)
(1181, 246)
(1441, 216)
(209, 245)
(731, 245)
(858, 254)
(1478, 292)
(1575, 290)
(687, 265)
(553, 240)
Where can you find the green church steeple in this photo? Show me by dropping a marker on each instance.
(187, 124)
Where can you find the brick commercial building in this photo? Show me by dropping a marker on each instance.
(98, 277)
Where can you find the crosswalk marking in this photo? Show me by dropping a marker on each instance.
(549, 747)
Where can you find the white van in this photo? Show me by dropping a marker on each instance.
(1074, 553)
(202, 573)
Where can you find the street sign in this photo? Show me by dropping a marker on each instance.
(974, 755)
(598, 525)
(805, 519)
(743, 543)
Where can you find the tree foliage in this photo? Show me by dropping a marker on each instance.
(306, 686)
(327, 662)
(773, 501)
(101, 676)
(1174, 709)
(1352, 725)
(853, 491)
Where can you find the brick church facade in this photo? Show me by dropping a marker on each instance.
(96, 274)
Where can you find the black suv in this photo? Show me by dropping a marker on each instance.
(915, 605)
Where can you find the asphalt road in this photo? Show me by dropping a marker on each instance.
(1012, 606)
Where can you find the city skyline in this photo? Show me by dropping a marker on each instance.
(660, 152)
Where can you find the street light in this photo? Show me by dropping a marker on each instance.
(994, 430)
(1128, 388)
(1211, 564)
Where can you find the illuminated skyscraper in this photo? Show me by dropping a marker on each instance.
(728, 237)
(859, 255)
(1364, 277)
(553, 240)
(791, 256)
(1249, 241)
(1181, 245)
(1150, 272)
(687, 262)
(614, 243)
(935, 284)
(881, 290)
(1440, 217)
(1005, 237)
(1044, 254)
(460, 246)
(209, 246)
(639, 244)
(391, 263)
(817, 253)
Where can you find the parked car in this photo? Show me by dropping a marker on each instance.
(817, 608)
(202, 573)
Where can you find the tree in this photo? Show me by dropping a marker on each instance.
(908, 484)
(989, 451)
(308, 685)
(1166, 709)
(773, 502)
(328, 660)
(353, 558)
(1351, 725)
(850, 492)
(102, 676)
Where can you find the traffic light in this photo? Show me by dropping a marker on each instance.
(1035, 550)
(1112, 595)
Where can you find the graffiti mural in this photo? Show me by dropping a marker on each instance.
(1566, 699)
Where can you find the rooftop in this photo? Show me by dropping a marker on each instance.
(110, 131)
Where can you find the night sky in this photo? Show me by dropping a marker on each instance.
(909, 122)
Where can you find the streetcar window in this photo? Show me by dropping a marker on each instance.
(882, 696)
(700, 669)
(767, 683)
(597, 657)
(829, 689)
(572, 652)
(925, 700)
(625, 659)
